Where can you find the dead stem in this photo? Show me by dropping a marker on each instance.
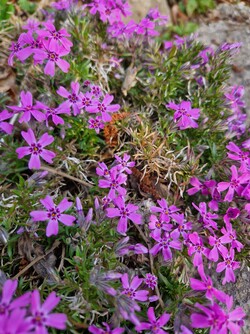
(37, 259)
(58, 172)
(151, 264)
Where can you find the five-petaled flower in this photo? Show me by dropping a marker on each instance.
(36, 149)
(54, 214)
(130, 288)
(184, 115)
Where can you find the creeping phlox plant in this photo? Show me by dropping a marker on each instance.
(142, 216)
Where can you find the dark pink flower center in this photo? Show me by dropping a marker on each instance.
(54, 213)
(3, 308)
(51, 111)
(101, 107)
(199, 248)
(229, 262)
(164, 242)
(234, 183)
(85, 101)
(39, 319)
(124, 212)
(56, 35)
(28, 108)
(129, 292)
(36, 149)
(52, 56)
(114, 185)
(17, 47)
(96, 90)
(73, 98)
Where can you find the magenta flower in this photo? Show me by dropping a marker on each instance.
(230, 237)
(56, 38)
(184, 115)
(72, 98)
(104, 107)
(182, 227)
(207, 217)
(229, 265)
(54, 214)
(234, 97)
(52, 54)
(207, 285)
(85, 100)
(96, 124)
(16, 49)
(36, 149)
(217, 244)
(197, 248)
(232, 213)
(146, 27)
(129, 289)
(41, 316)
(154, 325)
(238, 155)
(234, 185)
(125, 212)
(95, 90)
(123, 248)
(165, 210)
(155, 223)
(5, 126)
(199, 186)
(165, 243)
(235, 317)
(114, 183)
(15, 323)
(97, 330)
(102, 170)
(123, 163)
(52, 113)
(28, 108)
(6, 302)
(151, 281)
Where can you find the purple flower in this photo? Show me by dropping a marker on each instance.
(8, 291)
(82, 221)
(28, 108)
(85, 100)
(104, 107)
(31, 25)
(207, 217)
(102, 170)
(154, 325)
(183, 227)
(54, 214)
(125, 212)
(41, 318)
(15, 323)
(229, 265)
(155, 223)
(52, 113)
(96, 91)
(56, 38)
(235, 317)
(232, 213)
(230, 237)
(234, 97)
(207, 285)
(72, 98)
(52, 54)
(5, 126)
(130, 289)
(114, 183)
(238, 155)
(234, 185)
(123, 163)
(198, 186)
(96, 124)
(123, 248)
(36, 149)
(216, 243)
(151, 281)
(184, 115)
(97, 330)
(16, 49)
(197, 249)
(165, 210)
(165, 243)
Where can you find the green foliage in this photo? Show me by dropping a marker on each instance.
(7, 9)
(197, 6)
(27, 6)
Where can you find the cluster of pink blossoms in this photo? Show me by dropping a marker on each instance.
(46, 45)
(26, 314)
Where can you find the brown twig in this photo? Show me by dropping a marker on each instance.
(58, 172)
(37, 259)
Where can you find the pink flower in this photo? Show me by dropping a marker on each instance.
(217, 244)
(36, 149)
(229, 265)
(16, 49)
(125, 212)
(123, 163)
(154, 325)
(151, 281)
(28, 108)
(165, 210)
(104, 107)
(155, 223)
(15, 323)
(54, 214)
(234, 185)
(197, 249)
(56, 38)
(5, 126)
(41, 316)
(199, 186)
(130, 289)
(52, 54)
(52, 113)
(184, 115)
(165, 243)
(207, 217)
(115, 183)
(238, 155)
(96, 124)
(206, 285)
(97, 330)
(72, 97)
(230, 237)
(182, 226)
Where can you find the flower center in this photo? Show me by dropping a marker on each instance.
(54, 214)
(52, 56)
(56, 35)
(234, 183)
(36, 149)
(130, 293)
(73, 98)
